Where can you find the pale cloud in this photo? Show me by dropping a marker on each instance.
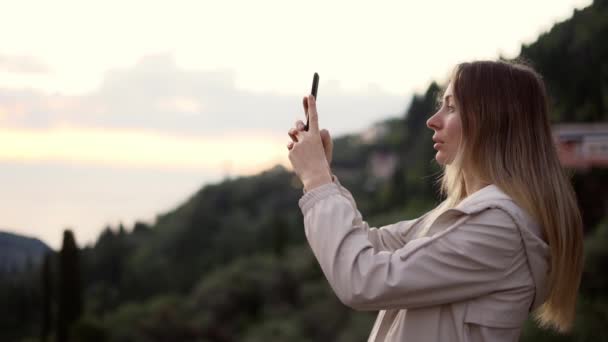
(22, 64)
(181, 105)
(157, 106)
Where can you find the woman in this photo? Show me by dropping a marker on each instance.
(506, 241)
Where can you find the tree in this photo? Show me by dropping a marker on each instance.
(279, 236)
(70, 292)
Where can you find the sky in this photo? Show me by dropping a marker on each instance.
(119, 111)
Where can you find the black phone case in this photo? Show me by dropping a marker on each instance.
(313, 91)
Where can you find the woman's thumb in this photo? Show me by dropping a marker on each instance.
(328, 145)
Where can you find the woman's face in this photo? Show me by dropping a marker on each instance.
(447, 127)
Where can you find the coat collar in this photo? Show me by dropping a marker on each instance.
(480, 198)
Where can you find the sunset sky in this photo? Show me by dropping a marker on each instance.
(117, 111)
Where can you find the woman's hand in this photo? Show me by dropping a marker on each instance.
(328, 144)
(310, 152)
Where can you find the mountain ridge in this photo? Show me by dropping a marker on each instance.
(19, 252)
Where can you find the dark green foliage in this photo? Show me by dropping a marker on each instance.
(591, 188)
(20, 299)
(572, 58)
(279, 231)
(47, 297)
(88, 329)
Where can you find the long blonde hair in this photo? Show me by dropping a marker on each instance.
(506, 140)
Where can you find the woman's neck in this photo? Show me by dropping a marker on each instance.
(472, 184)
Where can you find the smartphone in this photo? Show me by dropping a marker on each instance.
(313, 91)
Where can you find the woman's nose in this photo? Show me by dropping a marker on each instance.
(432, 122)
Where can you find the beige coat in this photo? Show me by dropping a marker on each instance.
(475, 277)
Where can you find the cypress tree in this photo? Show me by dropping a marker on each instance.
(70, 293)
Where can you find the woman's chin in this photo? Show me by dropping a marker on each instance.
(441, 158)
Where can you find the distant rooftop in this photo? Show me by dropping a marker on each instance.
(576, 131)
(582, 145)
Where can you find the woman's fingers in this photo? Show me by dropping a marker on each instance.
(293, 133)
(299, 125)
(305, 105)
(313, 116)
(328, 144)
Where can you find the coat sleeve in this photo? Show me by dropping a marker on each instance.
(385, 238)
(467, 259)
